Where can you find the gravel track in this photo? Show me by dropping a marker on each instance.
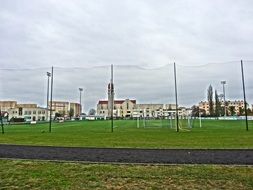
(129, 155)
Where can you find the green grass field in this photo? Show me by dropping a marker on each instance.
(25, 174)
(20, 174)
(212, 135)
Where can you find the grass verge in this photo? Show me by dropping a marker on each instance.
(24, 174)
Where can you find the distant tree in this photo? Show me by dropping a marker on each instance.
(249, 112)
(92, 112)
(195, 111)
(210, 100)
(218, 109)
(58, 115)
(232, 110)
(241, 111)
(202, 112)
(71, 113)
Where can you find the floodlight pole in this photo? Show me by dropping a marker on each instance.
(80, 89)
(112, 97)
(223, 86)
(200, 122)
(138, 118)
(175, 77)
(51, 99)
(48, 77)
(244, 96)
(2, 124)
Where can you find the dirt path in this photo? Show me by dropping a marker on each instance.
(128, 155)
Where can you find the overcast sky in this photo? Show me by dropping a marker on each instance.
(141, 33)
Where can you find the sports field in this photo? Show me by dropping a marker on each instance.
(213, 134)
(25, 174)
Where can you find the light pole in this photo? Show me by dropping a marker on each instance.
(80, 90)
(175, 78)
(244, 98)
(1, 118)
(48, 76)
(223, 86)
(51, 100)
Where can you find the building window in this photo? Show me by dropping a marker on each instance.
(34, 111)
(26, 113)
(20, 111)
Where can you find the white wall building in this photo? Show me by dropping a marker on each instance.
(29, 112)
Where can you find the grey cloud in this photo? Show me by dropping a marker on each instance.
(143, 33)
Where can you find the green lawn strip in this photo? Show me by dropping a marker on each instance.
(20, 174)
(213, 134)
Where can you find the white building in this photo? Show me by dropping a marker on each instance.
(121, 108)
(29, 112)
(159, 110)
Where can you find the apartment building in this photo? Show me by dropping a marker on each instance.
(63, 108)
(236, 105)
(29, 112)
(159, 110)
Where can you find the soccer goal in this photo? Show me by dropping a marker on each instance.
(155, 122)
(184, 123)
(169, 121)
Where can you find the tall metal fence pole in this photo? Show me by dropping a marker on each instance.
(48, 77)
(175, 77)
(51, 99)
(244, 96)
(112, 98)
(2, 124)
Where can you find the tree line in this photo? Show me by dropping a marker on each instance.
(216, 109)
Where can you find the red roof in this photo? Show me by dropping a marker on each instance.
(115, 101)
(102, 102)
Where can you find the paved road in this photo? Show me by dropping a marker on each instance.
(128, 155)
